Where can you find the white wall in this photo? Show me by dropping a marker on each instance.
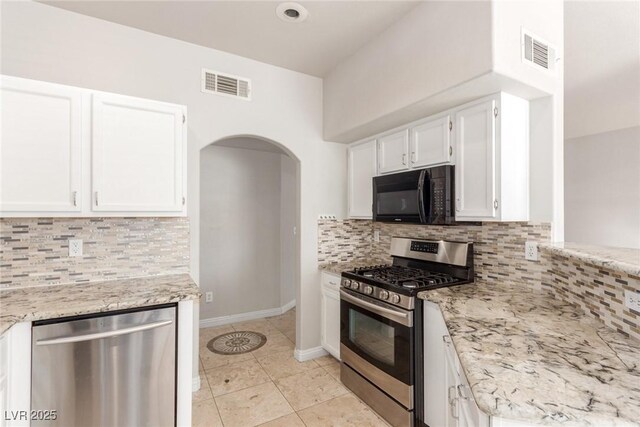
(436, 46)
(288, 230)
(242, 203)
(602, 188)
(602, 123)
(602, 69)
(45, 43)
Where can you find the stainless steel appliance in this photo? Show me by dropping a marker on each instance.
(421, 196)
(381, 323)
(116, 369)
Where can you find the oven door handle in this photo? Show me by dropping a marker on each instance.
(398, 316)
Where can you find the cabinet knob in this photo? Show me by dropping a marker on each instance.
(404, 159)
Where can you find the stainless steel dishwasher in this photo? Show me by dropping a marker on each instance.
(106, 370)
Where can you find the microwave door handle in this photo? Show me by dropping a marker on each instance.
(421, 211)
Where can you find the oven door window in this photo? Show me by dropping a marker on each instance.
(384, 343)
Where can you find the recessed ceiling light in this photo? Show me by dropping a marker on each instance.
(292, 12)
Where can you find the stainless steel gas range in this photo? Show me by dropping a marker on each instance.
(381, 323)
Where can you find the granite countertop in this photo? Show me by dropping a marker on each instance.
(340, 266)
(50, 302)
(626, 260)
(528, 356)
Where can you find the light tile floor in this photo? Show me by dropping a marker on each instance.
(269, 387)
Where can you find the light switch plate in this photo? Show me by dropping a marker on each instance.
(75, 247)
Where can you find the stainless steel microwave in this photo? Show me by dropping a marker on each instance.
(424, 196)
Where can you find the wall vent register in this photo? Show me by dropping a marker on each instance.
(226, 84)
(537, 52)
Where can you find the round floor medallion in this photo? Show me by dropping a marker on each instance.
(236, 342)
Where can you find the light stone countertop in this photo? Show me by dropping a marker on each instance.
(55, 301)
(339, 267)
(531, 357)
(626, 260)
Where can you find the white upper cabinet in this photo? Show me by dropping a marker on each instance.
(393, 152)
(431, 143)
(137, 155)
(68, 151)
(361, 170)
(40, 147)
(492, 160)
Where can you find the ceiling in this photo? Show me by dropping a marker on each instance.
(333, 31)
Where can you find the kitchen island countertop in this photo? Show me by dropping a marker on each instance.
(529, 356)
(56, 301)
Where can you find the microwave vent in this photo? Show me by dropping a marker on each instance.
(537, 52)
(226, 84)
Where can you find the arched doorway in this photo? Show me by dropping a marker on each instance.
(249, 244)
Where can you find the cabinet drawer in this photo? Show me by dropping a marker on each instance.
(330, 281)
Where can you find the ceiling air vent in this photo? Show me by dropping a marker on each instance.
(225, 84)
(537, 52)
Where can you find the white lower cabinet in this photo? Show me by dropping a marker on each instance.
(448, 400)
(15, 376)
(330, 313)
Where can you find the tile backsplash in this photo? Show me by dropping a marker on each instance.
(498, 247)
(598, 291)
(35, 251)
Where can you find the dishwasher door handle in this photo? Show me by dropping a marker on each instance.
(98, 335)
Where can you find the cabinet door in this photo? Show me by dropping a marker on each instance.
(138, 155)
(435, 382)
(475, 162)
(40, 148)
(393, 152)
(362, 169)
(330, 309)
(430, 143)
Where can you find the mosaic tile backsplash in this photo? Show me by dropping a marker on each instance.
(35, 251)
(498, 247)
(498, 253)
(598, 291)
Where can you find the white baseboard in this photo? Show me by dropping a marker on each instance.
(195, 383)
(309, 354)
(243, 317)
(288, 306)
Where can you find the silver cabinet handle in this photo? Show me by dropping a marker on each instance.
(97, 335)
(413, 157)
(75, 198)
(96, 198)
(495, 204)
(453, 400)
(458, 204)
(450, 151)
(404, 159)
(462, 394)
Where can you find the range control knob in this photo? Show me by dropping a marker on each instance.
(395, 298)
(355, 285)
(384, 295)
(346, 283)
(368, 290)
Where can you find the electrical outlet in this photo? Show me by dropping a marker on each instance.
(376, 235)
(531, 251)
(208, 297)
(632, 300)
(75, 247)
